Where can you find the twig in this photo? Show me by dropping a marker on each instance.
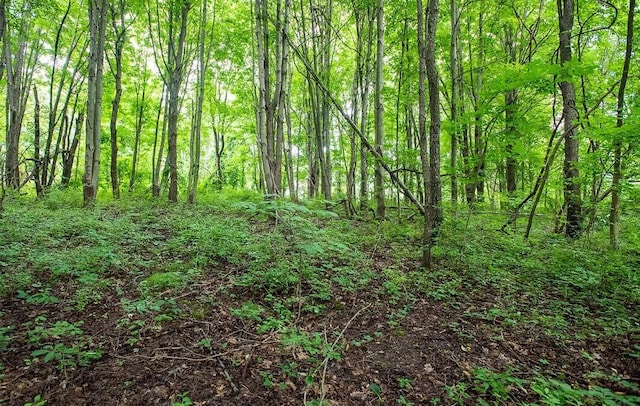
(228, 376)
(325, 362)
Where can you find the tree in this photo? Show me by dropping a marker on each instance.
(270, 108)
(570, 116)
(379, 112)
(172, 62)
(429, 147)
(97, 28)
(614, 213)
(118, 12)
(20, 57)
(196, 127)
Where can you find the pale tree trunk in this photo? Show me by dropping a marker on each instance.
(68, 154)
(614, 214)
(570, 116)
(317, 49)
(270, 110)
(176, 71)
(119, 30)
(19, 62)
(379, 113)
(37, 161)
(3, 30)
(478, 130)
(195, 144)
(159, 142)
(97, 27)
(140, 106)
(364, 18)
(456, 87)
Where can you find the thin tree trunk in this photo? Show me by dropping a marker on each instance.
(69, 155)
(455, 92)
(195, 147)
(614, 214)
(97, 25)
(176, 67)
(140, 109)
(37, 161)
(379, 113)
(570, 116)
(434, 190)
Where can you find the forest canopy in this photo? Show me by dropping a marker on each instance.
(511, 104)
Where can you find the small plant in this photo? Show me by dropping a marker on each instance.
(37, 401)
(43, 296)
(497, 385)
(553, 392)
(404, 383)
(249, 311)
(376, 389)
(184, 400)
(458, 393)
(205, 343)
(267, 379)
(161, 281)
(65, 356)
(402, 401)
(5, 338)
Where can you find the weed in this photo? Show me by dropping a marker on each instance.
(42, 296)
(376, 390)
(161, 281)
(267, 379)
(184, 400)
(497, 385)
(553, 392)
(205, 343)
(458, 393)
(37, 401)
(5, 338)
(65, 356)
(249, 311)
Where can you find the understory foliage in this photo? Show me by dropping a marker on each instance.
(284, 270)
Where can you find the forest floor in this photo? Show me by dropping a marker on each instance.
(250, 303)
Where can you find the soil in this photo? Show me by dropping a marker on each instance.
(435, 346)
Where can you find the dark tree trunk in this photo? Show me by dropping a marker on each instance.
(570, 116)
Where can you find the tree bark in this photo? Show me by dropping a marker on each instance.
(434, 189)
(379, 113)
(614, 214)
(570, 116)
(97, 27)
(456, 86)
(195, 144)
(119, 30)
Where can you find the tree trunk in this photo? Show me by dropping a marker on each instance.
(19, 61)
(119, 30)
(140, 107)
(194, 167)
(570, 116)
(176, 72)
(37, 161)
(434, 190)
(69, 155)
(456, 87)
(97, 26)
(614, 214)
(379, 113)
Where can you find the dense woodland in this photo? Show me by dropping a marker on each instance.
(291, 157)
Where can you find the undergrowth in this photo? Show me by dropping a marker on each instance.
(279, 261)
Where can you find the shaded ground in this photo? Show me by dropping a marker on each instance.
(207, 344)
